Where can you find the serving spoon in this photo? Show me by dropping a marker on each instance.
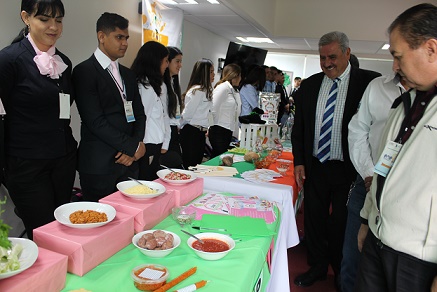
(138, 182)
(192, 235)
(168, 168)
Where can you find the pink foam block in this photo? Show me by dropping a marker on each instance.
(48, 273)
(184, 193)
(86, 248)
(146, 213)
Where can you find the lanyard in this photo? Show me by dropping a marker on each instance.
(121, 89)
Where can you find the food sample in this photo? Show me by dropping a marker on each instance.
(139, 190)
(177, 176)
(142, 282)
(158, 240)
(250, 156)
(228, 160)
(88, 216)
(211, 245)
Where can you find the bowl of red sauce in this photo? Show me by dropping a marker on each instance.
(215, 245)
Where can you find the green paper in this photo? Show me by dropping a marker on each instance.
(236, 225)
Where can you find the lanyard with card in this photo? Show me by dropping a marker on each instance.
(128, 110)
(387, 158)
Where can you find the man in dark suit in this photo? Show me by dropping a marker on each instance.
(284, 103)
(321, 158)
(109, 104)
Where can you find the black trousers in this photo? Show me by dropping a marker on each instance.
(173, 157)
(149, 163)
(325, 213)
(193, 145)
(384, 269)
(38, 186)
(96, 186)
(220, 138)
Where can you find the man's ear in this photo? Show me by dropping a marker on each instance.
(431, 48)
(101, 37)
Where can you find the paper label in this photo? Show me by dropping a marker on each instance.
(64, 106)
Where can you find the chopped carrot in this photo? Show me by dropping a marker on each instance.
(265, 140)
(201, 284)
(177, 280)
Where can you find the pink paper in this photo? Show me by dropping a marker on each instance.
(48, 273)
(184, 193)
(146, 213)
(86, 248)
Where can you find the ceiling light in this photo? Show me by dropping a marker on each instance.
(169, 2)
(385, 47)
(191, 2)
(255, 40)
(213, 1)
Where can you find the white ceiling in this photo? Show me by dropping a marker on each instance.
(232, 18)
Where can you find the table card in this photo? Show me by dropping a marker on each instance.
(226, 204)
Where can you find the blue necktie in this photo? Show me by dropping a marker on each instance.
(324, 149)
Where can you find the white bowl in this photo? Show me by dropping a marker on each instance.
(27, 258)
(62, 213)
(156, 253)
(212, 256)
(124, 185)
(163, 172)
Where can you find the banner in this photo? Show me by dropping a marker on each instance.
(162, 24)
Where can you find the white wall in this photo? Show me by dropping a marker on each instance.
(307, 65)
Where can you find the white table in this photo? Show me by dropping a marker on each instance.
(287, 235)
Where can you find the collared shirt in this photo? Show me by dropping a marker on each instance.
(270, 86)
(226, 106)
(197, 108)
(249, 99)
(367, 125)
(105, 62)
(343, 84)
(2, 109)
(157, 123)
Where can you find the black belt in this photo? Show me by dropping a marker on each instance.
(203, 129)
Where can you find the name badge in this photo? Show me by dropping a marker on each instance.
(64, 106)
(387, 158)
(129, 112)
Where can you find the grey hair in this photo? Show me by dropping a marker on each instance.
(335, 36)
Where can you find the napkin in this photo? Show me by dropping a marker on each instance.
(236, 225)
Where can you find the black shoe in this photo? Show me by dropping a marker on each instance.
(337, 282)
(310, 277)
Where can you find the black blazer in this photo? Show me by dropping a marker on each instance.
(104, 129)
(33, 129)
(302, 138)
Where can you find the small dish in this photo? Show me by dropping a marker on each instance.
(27, 258)
(146, 284)
(62, 213)
(183, 215)
(211, 256)
(125, 185)
(164, 172)
(156, 253)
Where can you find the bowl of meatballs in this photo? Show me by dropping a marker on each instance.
(156, 243)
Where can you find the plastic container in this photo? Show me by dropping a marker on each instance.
(145, 284)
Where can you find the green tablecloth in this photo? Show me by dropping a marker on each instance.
(241, 166)
(238, 271)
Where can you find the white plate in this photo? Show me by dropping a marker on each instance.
(163, 172)
(62, 213)
(28, 256)
(124, 185)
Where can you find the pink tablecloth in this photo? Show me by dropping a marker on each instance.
(86, 248)
(48, 273)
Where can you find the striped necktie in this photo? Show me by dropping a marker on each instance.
(324, 149)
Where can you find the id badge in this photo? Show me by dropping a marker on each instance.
(210, 119)
(64, 106)
(387, 158)
(129, 112)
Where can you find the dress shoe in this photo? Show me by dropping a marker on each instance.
(310, 277)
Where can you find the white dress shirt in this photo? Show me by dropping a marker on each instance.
(367, 125)
(2, 109)
(343, 85)
(226, 106)
(197, 108)
(157, 121)
(249, 99)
